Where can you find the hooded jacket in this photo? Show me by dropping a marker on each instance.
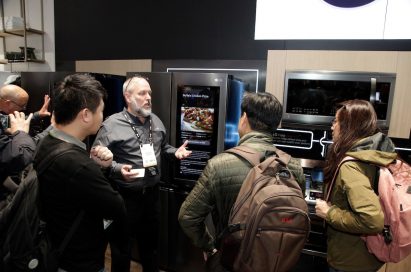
(356, 209)
(217, 189)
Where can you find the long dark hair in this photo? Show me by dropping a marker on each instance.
(356, 119)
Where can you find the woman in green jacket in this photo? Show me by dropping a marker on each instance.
(354, 209)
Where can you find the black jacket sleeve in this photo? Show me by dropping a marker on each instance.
(16, 152)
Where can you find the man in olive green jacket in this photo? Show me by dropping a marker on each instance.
(218, 186)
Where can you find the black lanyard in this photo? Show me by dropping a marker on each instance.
(133, 126)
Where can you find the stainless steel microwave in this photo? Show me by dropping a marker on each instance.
(311, 97)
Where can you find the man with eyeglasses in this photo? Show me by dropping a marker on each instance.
(14, 98)
(16, 145)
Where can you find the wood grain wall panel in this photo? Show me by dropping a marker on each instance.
(280, 61)
(275, 73)
(400, 125)
(375, 61)
(114, 67)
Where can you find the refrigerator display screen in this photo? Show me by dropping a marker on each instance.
(197, 120)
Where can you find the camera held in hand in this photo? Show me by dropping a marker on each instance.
(4, 121)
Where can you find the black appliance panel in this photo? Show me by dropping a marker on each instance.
(114, 87)
(403, 148)
(37, 85)
(177, 252)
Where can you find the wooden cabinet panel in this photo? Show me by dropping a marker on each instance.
(360, 61)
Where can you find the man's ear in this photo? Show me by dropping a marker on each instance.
(245, 118)
(127, 97)
(85, 115)
(245, 123)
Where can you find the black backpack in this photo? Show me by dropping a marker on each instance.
(269, 223)
(24, 245)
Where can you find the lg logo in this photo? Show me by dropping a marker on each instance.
(348, 4)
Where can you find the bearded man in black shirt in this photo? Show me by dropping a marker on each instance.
(137, 138)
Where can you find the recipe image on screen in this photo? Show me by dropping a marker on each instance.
(197, 119)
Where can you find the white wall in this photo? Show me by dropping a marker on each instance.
(34, 21)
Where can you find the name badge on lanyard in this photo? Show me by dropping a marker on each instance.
(148, 155)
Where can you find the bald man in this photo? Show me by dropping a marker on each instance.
(14, 98)
(16, 146)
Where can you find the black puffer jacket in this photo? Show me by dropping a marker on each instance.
(218, 187)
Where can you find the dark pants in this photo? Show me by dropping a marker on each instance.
(213, 263)
(143, 213)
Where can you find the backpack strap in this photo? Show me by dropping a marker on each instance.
(70, 233)
(61, 149)
(374, 182)
(247, 153)
(254, 157)
(330, 188)
(45, 162)
(283, 157)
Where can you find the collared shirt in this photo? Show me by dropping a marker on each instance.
(117, 134)
(54, 132)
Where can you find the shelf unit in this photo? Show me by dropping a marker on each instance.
(24, 32)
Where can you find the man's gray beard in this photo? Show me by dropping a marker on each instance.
(144, 112)
(140, 111)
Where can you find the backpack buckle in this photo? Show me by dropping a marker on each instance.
(386, 232)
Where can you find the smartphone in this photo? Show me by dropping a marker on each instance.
(4, 121)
